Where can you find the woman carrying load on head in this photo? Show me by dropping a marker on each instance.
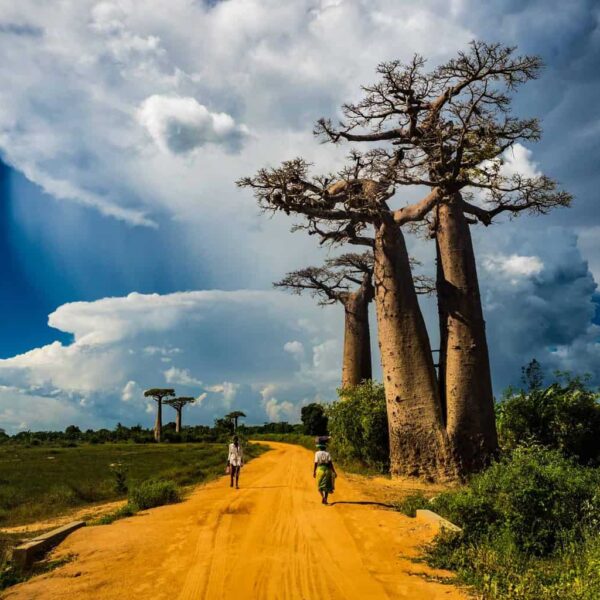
(324, 471)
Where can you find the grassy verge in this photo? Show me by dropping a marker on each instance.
(9, 575)
(59, 480)
(530, 529)
(148, 494)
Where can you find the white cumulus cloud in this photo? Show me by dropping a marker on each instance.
(295, 348)
(180, 376)
(119, 344)
(180, 125)
(130, 391)
(514, 265)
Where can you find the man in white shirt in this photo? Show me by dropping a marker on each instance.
(235, 461)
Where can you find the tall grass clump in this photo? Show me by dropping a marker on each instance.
(154, 492)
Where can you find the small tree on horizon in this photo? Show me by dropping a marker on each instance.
(178, 404)
(158, 395)
(234, 416)
(314, 419)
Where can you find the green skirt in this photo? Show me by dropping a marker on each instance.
(325, 479)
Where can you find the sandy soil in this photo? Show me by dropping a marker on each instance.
(82, 514)
(272, 539)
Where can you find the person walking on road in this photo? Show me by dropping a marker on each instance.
(324, 471)
(235, 461)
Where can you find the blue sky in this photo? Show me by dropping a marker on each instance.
(128, 257)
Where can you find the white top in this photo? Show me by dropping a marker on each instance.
(236, 455)
(322, 457)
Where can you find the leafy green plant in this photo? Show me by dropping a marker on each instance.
(125, 511)
(411, 503)
(530, 528)
(564, 416)
(533, 497)
(120, 477)
(358, 426)
(151, 493)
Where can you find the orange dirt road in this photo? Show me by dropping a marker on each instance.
(270, 540)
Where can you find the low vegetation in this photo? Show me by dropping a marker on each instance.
(60, 479)
(564, 415)
(299, 439)
(148, 494)
(358, 426)
(531, 521)
(151, 493)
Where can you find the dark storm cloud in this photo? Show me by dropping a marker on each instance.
(548, 315)
(567, 36)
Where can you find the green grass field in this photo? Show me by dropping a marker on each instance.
(42, 482)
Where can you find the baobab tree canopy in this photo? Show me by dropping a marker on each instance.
(452, 126)
(234, 417)
(178, 404)
(334, 281)
(180, 401)
(159, 393)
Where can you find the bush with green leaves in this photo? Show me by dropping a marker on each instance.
(411, 503)
(564, 416)
(358, 426)
(151, 493)
(530, 528)
(535, 498)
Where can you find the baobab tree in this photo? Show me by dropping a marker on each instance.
(234, 417)
(454, 127)
(346, 280)
(178, 404)
(352, 206)
(158, 395)
(336, 282)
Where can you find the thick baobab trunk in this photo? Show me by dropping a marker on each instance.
(178, 420)
(158, 423)
(418, 442)
(357, 340)
(464, 360)
(442, 320)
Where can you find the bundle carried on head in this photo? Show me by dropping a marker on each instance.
(321, 441)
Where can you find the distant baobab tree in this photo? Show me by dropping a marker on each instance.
(234, 416)
(159, 394)
(346, 280)
(178, 404)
